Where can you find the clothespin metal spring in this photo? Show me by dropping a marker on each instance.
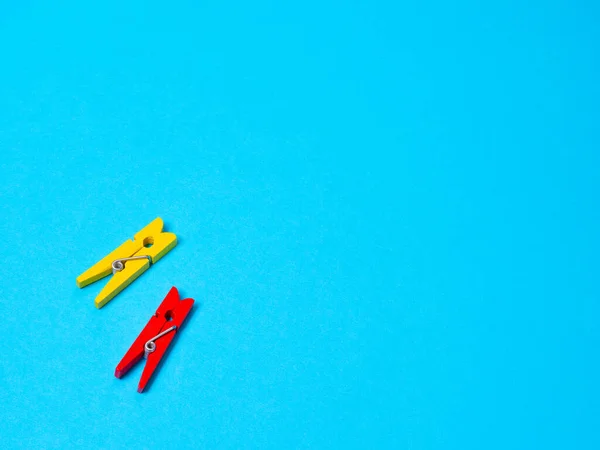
(117, 264)
(150, 346)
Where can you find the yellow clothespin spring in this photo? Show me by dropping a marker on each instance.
(129, 261)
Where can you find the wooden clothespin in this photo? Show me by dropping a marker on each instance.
(129, 261)
(155, 338)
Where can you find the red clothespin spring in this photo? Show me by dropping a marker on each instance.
(155, 338)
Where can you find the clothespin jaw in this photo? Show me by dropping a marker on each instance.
(148, 246)
(160, 330)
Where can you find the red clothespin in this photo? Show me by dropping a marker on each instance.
(153, 341)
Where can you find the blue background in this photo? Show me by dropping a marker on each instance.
(387, 214)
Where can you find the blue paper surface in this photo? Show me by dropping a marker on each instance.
(387, 214)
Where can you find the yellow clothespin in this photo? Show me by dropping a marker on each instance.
(129, 261)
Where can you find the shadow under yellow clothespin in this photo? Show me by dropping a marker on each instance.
(129, 261)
